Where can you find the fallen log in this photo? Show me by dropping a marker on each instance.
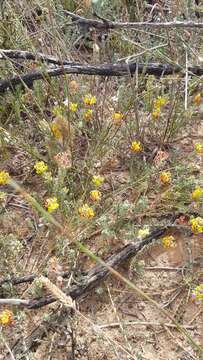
(117, 69)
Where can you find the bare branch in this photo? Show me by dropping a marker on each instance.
(143, 323)
(28, 278)
(12, 302)
(122, 69)
(27, 55)
(97, 273)
(108, 24)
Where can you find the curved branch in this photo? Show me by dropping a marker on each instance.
(97, 273)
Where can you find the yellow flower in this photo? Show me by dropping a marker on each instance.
(57, 110)
(197, 99)
(51, 204)
(4, 177)
(40, 167)
(198, 292)
(142, 233)
(165, 177)
(88, 114)
(159, 102)
(197, 225)
(55, 128)
(86, 211)
(73, 107)
(169, 241)
(136, 146)
(117, 118)
(6, 317)
(197, 194)
(95, 195)
(156, 113)
(198, 148)
(97, 180)
(73, 87)
(90, 100)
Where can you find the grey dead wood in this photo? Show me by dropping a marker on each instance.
(107, 70)
(88, 282)
(105, 24)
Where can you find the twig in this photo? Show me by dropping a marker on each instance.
(108, 24)
(27, 55)
(6, 345)
(186, 78)
(162, 268)
(29, 278)
(101, 70)
(177, 342)
(145, 323)
(198, 313)
(12, 302)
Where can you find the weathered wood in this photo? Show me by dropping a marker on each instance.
(89, 281)
(119, 69)
(97, 274)
(106, 24)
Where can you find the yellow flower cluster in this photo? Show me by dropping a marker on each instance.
(142, 233)
(73, 107)
(6, 317)
(197, 99)
(86, 211)
(90, 100)
(40, 167)
(197, 225)
(136, 146)
(197, 194)
(158, 104)
(198, 148)
(117, 118)
(198, 292)
(56, 130)
(95, 195)
(97, 180)
(51, 204)
(88, 114)
(169, 241)
(165, 177)
(4, 177)
(57, 110)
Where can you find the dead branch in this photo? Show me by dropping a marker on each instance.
(13, 302)
(89, 281)
(28, 278)
(27, 55)
(94, 277)
(117, 69)
(105, 24)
